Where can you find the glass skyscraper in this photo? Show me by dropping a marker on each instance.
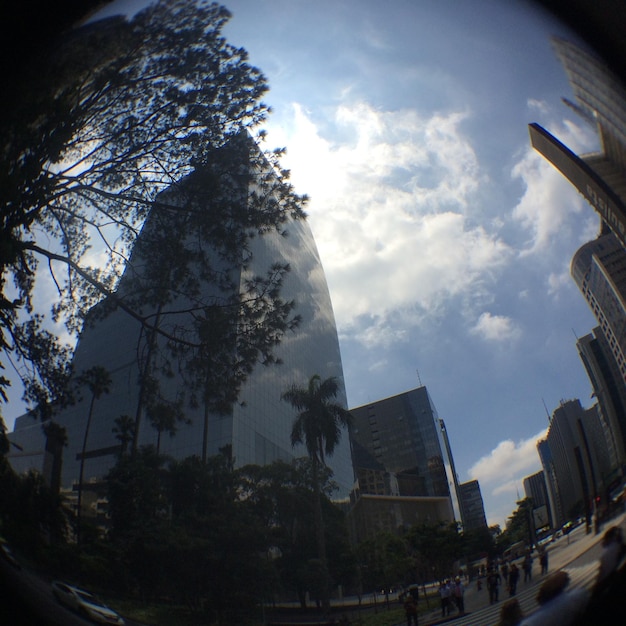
(404, 475)
(257, 426)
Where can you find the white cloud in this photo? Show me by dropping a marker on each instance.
(501, 473)
(550, 204)
(559, 281)
(539, 106)
(508, 462)
(391, 201)
(496, 328)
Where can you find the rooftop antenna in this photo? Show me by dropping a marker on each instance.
(546, 408)
(419, 380)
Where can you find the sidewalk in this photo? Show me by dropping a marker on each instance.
(561, 553)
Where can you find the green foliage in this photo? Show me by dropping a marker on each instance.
(31, 515)
(318, 425)
(319, 422)
(385, 562)
(518, 527)
(437, 547)
(100, 126)
(477, 542)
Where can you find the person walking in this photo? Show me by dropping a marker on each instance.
(493, 584)
(528, 567)
(543, 561)
(410, 609)
(513, 578)
(458, 593)
(444, 595)
(511, 613)
(505, 572)
(558, 605)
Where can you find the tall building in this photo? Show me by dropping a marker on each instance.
(599, 266)
(404, 474)
(557, 515)
(599, 270)
(570, 461)
(609, 389)
(472, 506)
(257, 426)
(600, 98)
(535, 489)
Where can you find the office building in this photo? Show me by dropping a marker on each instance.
(570, 461)
(599, 266)
(600, 99)
(535, 488)
(557, 514)
(609, 389)
(599, 270)
(257, 426)
(403, 470)
(472, 506)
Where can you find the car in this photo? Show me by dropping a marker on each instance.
(7, 554)
(85, 603)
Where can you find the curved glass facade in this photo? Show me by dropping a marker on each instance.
(258, 425)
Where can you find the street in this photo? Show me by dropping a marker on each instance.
(576, 553)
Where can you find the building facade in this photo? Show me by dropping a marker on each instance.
(599, 270)
(472, 506)
(600, 99)
(569, 457)
(257, 426)
(404, 474)
(610, 391)
(535, 489)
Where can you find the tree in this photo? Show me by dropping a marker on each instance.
(123, 431)
(436, 548)
(164, 417)
(111, 117)
(385, 562)
(56, 440)
(519, 527)
(318, 425)
(98, 381)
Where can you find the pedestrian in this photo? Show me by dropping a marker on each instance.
(410, 609)
(613, 550)
(459, 592)
(528, 567)
(556, 605)
(493, 584)
(607, 596)
(513, 578)
(543, 561)
(444, 597)
(450, 595)
(505, 572)
(511, 613)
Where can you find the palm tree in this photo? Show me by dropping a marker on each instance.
(124, 430)
(163, 417)
(318, 426)
(97, 380)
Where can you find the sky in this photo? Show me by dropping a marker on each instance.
(446, 241)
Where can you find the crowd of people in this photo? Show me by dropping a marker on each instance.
(505, 574)
(558, 603)
(451, 594)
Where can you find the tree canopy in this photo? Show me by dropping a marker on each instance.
(118, 111)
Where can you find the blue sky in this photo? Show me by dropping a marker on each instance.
(445, 240)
